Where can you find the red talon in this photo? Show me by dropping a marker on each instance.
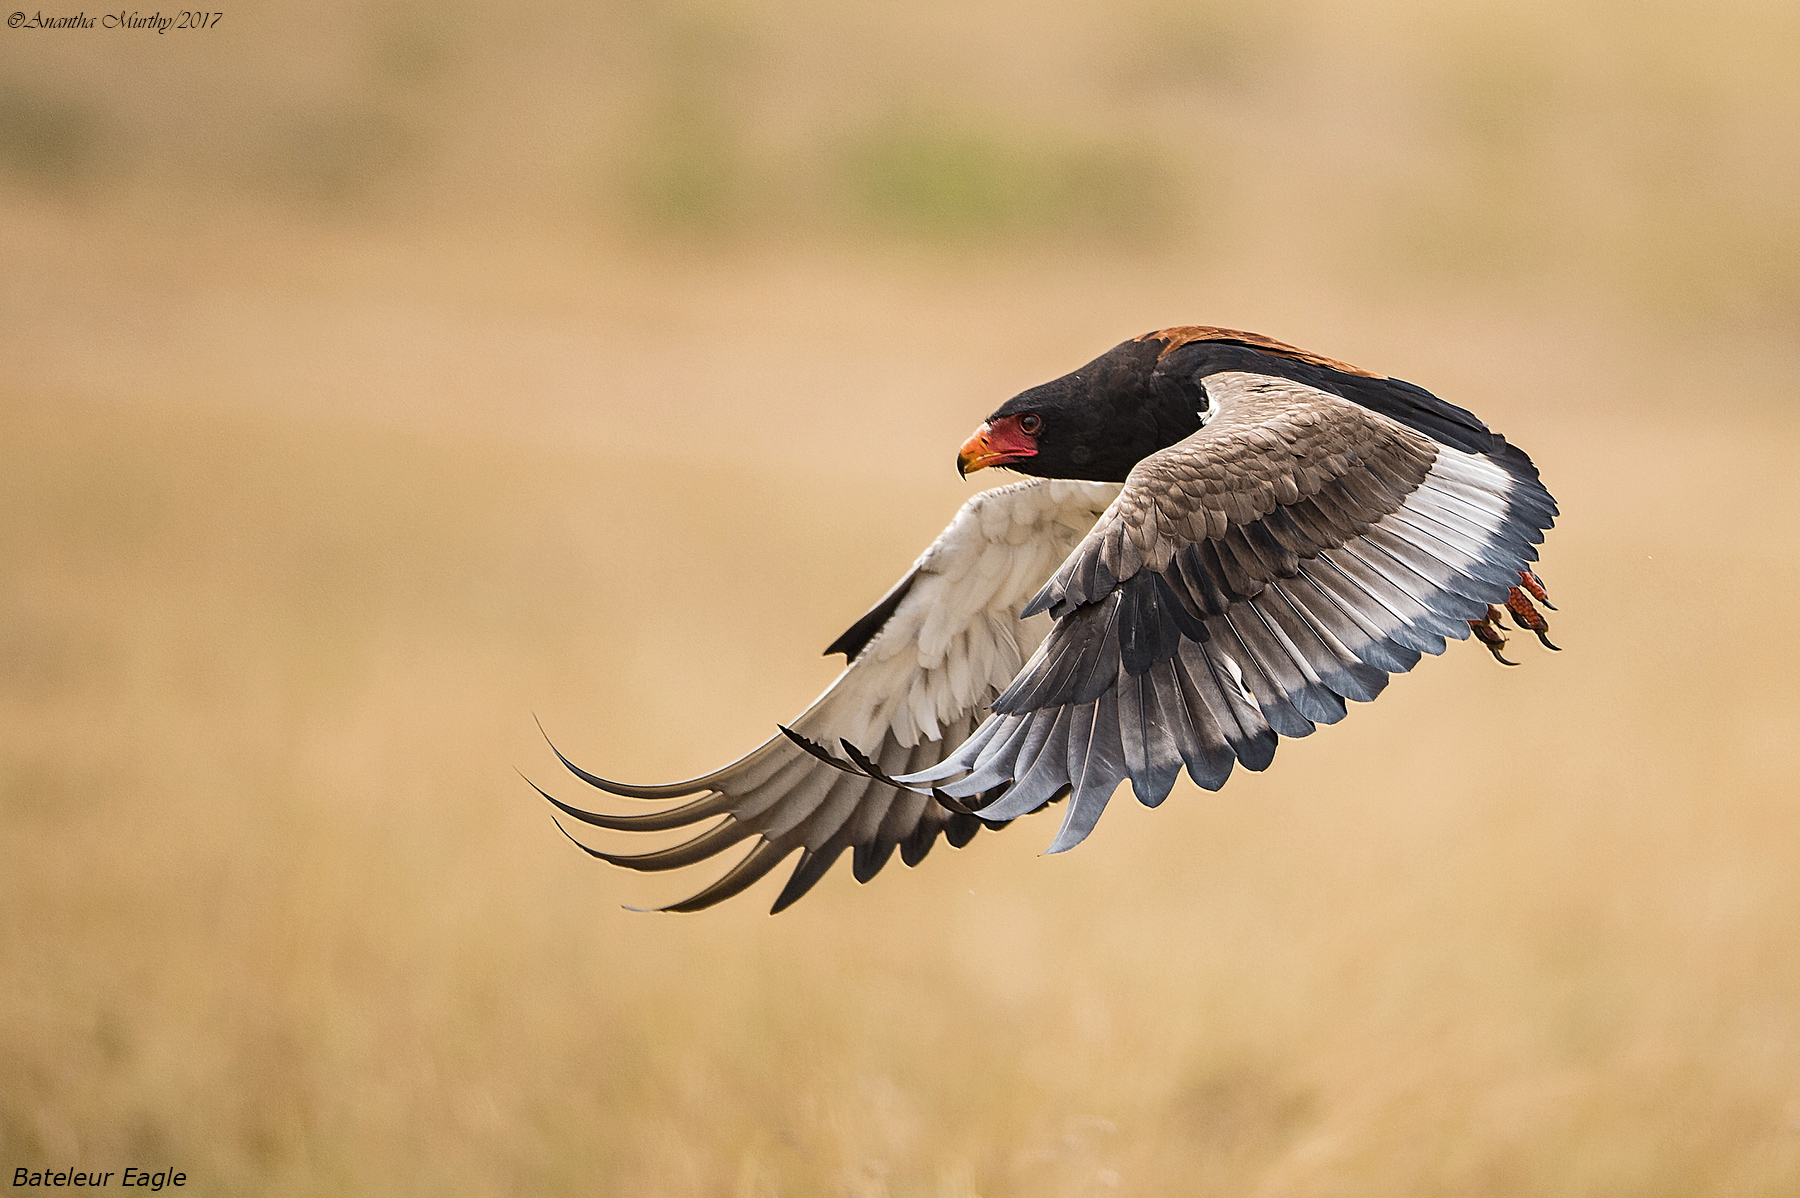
(1527, 616)
(1535, 585)
(1488, 632)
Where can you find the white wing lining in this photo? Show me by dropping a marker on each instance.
(910, 695)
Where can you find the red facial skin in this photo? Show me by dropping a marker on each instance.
(995, 444)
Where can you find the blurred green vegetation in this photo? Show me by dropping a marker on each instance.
(1643, 155)
(47, 139)
(940, 180)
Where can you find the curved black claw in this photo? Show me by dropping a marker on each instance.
(1487, 631)
(592, 852)
(1535, 587)
(1518, 606)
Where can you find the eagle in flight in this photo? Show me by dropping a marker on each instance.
(1223, 539)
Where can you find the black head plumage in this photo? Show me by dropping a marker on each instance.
(1100, 421)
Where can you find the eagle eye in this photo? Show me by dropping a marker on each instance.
(1031, 422)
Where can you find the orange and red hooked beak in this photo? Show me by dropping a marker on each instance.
(995, 444)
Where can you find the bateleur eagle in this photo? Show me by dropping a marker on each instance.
(1224, 539)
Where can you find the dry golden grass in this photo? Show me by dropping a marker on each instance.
(375, 378)
(301, 529)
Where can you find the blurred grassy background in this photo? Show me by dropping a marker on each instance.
(375, 377)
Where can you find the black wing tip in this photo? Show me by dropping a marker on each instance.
(866, 765)
(813, 748)
(856, 638)
(951, 803)
(543, 732)
(590, 851)
(793, 890)
(571, 812)
(594, 780)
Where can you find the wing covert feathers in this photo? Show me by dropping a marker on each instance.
(1290, 556)
(925, 663)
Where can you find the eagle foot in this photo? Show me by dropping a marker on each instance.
(1518, 606)
(1490, 632)
(1534, 586)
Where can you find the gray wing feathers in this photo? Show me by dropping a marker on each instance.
(1246, 584)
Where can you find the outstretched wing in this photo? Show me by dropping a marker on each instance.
(1292, 554)
(924, 664)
